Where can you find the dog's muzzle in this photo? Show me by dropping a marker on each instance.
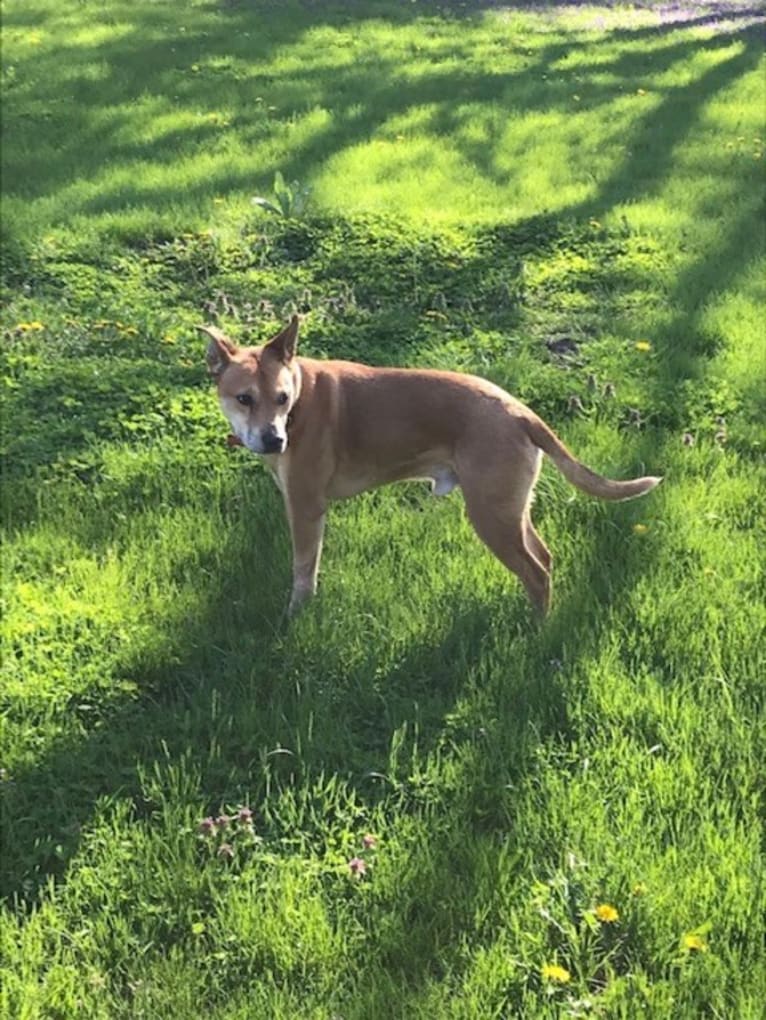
(272, 441)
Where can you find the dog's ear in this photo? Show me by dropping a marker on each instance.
(219, 350)
(285, 342)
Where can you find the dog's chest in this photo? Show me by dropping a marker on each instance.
(278, 467)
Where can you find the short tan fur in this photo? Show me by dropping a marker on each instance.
(330, 429)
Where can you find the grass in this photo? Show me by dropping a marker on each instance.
(569, 203)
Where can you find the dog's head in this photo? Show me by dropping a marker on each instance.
(258, 387)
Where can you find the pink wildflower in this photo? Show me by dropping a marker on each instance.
(357, 867)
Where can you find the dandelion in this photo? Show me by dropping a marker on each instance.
(357, 867)
(369, 842)
(606, 913)
(643, 345)
(553, 972)
(640, 529)
(639, 889)
(694, 943)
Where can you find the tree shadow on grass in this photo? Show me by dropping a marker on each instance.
(222, 682)
(240, 643)
(229, 676)
(220, 64)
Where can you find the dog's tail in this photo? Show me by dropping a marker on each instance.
(576, 473)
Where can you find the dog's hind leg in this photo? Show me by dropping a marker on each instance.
(535, 544)
(500, 517)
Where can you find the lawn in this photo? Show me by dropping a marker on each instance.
(415, 801)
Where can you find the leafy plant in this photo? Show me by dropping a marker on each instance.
(289, 200)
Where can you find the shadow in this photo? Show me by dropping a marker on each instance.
(123, 94)
(231, 684)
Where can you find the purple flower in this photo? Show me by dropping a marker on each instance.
(245, 816)
(222, 821)
(207, 827)
(357, 867)
(226, 850)
(369, 842)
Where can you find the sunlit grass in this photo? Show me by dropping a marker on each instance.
(566, 818)
(413, 114)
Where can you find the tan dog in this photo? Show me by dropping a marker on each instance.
(330, 429)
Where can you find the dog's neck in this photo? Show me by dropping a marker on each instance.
(297, 386)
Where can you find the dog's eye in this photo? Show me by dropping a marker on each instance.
(245, 399)
(282, 398)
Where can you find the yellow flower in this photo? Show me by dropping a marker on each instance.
(639, 889)
(643, 345)
(552, 972)
(606, 913)
(640, 529)
(694, 943)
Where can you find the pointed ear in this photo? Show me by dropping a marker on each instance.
(284, 343)
(219, 350)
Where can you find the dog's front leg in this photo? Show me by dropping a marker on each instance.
(306, 529)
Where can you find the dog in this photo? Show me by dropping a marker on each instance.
(328, 430)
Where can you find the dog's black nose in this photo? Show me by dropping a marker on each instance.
(272, 441)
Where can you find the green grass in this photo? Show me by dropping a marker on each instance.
(524, 194)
